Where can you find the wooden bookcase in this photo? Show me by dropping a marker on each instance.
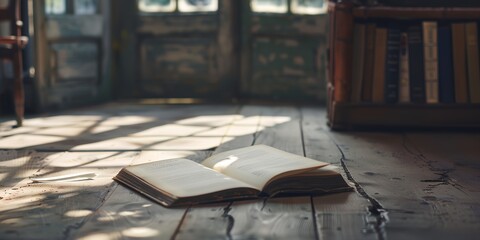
(344, 114)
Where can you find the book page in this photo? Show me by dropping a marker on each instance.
(184, 178)
(256, 165)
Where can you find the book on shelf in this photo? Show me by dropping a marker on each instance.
(459, 62)
(416, 64)
(445, 64)
(244, 173)
(473, 73)
(404, 82)
(368, 65)
(379, 64)
(358, 61)
(392, 64)
(430, 57)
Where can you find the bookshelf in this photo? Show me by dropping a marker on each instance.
(344, 114)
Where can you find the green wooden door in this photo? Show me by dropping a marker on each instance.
(72, 52)
(175, 48)
(284, 49)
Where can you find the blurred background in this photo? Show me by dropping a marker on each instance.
(83, 52)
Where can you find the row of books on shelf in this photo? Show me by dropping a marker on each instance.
(416, 62)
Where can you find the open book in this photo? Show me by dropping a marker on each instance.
(243, 173)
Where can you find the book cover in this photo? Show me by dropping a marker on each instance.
(379, 65)
(471, 38)
(459, 62)
(404, 82)
(430, 57)
(445, 64)
(392, 64)
(416, 63)
(368, 65)
(342, 51)
(358, 61)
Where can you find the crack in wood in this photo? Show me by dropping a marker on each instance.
(376, 217)
(180, 223)
(66, 233)
(230, 220)
(444, 174)
(314, 217)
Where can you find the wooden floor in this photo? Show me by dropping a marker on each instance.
(410, 185)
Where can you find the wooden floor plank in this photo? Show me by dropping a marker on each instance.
(338, 216)
(18, 165)
(454, 192)
(52, 210)
(127, 214)
(282, 131)
(276, 218)
(395, 177)
(158, 222)
(273, 219)
(343, 216)
(214, 217)
(427, 181)
(161, 128)
(317, 142)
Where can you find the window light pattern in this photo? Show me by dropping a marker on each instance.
(152, 6)
(55, 7)
(308, 7)
(269, 6)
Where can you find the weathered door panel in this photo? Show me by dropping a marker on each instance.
(179, 24)
(180, 50)
(184, 67)
(285, 67)
(283, 50)
(72, 52)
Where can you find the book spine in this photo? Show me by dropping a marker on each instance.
(368, 67)
(416, 63)
(358, 62)
(430, 53)
(404, 82)
(342, 52)
(473, 61)
(392, 64)
(379, 64)
(445, 65)
(459, 62)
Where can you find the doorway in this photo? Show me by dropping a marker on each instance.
(72, 52)
(263, 49)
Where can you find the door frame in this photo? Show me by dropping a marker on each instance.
(128, 31)
(43, 84)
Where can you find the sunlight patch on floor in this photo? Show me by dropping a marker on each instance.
(133, 131)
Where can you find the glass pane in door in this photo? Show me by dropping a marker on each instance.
(309, 7)
(85, 7)
(55, 7)
(197, 5)
(269, 6)
(152, 6)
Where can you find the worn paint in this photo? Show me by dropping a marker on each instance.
(171, 66)
(288, 24)
(72, 56)
(184, 55)
(285, 68)
(74, 61)
(180, 23)
(284, 55)
(175, 59)
(298, 60)
(74, 26)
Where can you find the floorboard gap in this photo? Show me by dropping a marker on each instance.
(377, 216)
